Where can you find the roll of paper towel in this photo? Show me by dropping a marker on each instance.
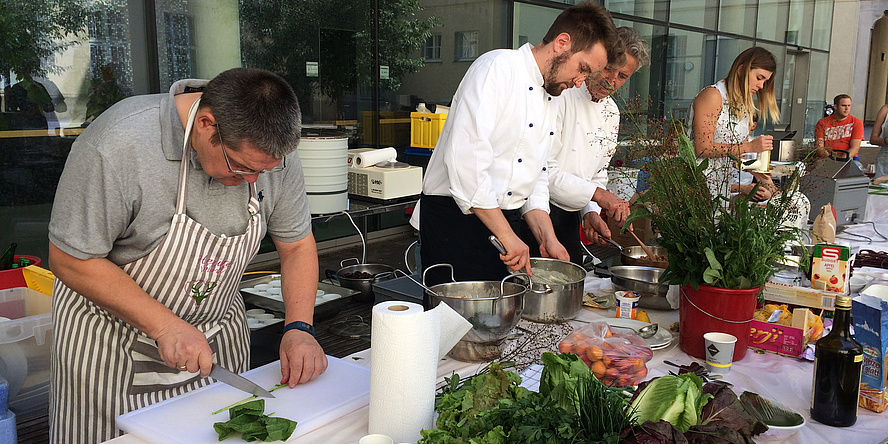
(370, 158)
(406, 344)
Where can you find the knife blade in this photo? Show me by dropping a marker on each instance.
(220, 373)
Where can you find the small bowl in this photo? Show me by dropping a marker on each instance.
(263, 317)
(275, 283)
(778, 433)
(255, 311)
(274, 290)
(856, 283)
(261, 287)
(320, 293)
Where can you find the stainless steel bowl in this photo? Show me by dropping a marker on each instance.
(644, 281)
(493, 308)
(549, 302)
(380, 272)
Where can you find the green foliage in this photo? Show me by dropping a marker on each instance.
(103, 92)
(572, 407)
(282, 36)
(678, 400)
(710, 239)
(34, 30)
(249, 420)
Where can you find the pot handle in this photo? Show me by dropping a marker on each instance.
(344, 261)
(382, 275)
(407, 256)
(452, 279)
(514, 275)
(331, 275)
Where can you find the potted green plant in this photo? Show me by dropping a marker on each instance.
(721, 249)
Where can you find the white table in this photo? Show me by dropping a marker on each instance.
(779, 378)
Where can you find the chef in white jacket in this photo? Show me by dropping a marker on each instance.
(490, 159)
(587, 126)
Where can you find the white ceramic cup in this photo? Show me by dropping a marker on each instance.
(376, 439)
(719, 351)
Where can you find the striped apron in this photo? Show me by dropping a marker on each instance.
(102, 367)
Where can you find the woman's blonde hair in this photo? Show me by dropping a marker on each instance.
(737, 84)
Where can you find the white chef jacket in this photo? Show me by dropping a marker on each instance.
(579, 158)
(492, 151)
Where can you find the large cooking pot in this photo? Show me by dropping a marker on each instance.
(361, 277)
(644, 281)
(493, 308)
(556, 291)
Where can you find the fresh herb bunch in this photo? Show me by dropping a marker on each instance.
(713, 239)
(492, 407)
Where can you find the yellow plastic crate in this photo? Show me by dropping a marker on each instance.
(39, 279)
(425, 128)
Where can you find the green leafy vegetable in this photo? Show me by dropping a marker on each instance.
(676, 399)
(769, 412)
(249, 420)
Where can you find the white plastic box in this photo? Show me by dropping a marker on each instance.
(25, 341)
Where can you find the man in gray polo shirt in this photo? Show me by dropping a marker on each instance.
(149, 249)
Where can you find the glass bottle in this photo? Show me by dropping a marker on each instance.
(838, 361)
(8, 257)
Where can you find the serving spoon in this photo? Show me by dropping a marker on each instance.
(645, 332)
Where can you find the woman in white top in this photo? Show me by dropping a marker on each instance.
(721, 114)
(880, 137)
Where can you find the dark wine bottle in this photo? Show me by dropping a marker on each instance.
(838, 361)
(8, 257)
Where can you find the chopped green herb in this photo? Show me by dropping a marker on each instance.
(249, 420)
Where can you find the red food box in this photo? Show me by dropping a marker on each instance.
(781, 339)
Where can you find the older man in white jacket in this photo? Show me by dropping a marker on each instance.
(588, 124)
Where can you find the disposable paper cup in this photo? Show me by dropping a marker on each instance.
(627, 304)
(376, 439)
(719, 351)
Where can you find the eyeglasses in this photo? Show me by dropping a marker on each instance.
(280, 167)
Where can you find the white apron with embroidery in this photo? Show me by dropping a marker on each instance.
(102, 367)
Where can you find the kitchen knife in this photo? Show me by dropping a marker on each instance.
(239, 382)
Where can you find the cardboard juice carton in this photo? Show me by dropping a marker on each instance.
(870, 317)
(829, 269)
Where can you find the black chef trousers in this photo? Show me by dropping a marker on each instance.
(447, 236)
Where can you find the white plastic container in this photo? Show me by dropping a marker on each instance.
(25, 341)
(325, 169)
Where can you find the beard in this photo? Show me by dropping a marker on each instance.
(550, 84)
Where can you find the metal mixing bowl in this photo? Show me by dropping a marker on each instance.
(493, 308)
(644, 281)
(551, 302)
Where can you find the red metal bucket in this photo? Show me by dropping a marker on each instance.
(715, 309)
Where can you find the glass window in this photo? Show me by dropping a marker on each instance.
(772, 17)
(816, 101)
(640, 98)
(823, 13)
(466, 46)
(531, 23)
(737, 17)
(655, 9)
(783, 84)
(432, 49)
(698, 13)
(688, 55)
(801, 19)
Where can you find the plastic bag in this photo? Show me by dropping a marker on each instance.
(618, 357)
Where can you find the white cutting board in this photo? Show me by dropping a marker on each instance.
(188, 418)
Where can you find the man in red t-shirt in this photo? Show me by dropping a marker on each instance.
(839, 135)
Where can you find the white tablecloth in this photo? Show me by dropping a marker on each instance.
(786, 380)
